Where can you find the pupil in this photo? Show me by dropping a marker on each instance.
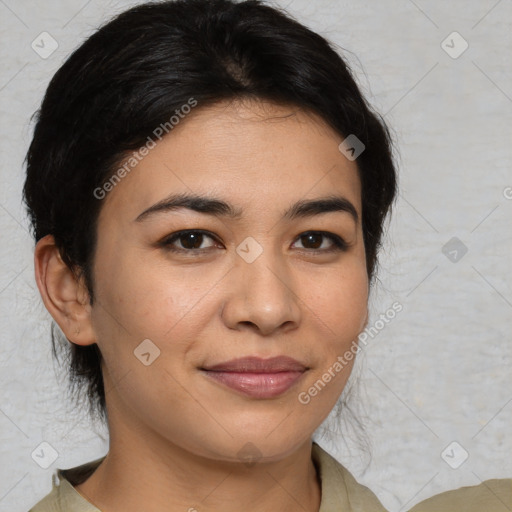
(312, 238)
(192, 240)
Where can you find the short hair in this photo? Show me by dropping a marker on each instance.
(133, 73)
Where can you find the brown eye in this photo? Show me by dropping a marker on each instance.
(314, 240)
(191, 240)
(188, 241)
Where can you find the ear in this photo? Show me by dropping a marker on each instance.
(64, 295)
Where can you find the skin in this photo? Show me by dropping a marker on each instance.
(174, 433)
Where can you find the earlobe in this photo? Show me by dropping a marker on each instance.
(63, 293)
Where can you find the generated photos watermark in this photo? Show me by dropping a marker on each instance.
(344, 360)
(159, 132)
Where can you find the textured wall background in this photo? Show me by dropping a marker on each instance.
(440, 371)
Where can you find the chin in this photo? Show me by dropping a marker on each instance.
(251, 446)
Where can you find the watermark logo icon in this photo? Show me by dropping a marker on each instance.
(454, 45)
(44, 45)
(454, 249)
(249, 454)
(44, 455)
(249, 250)
(146, 352)
(351, 147)
(454, 455)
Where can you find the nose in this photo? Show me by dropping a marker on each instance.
(263, 297)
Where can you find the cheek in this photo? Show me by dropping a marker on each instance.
(339, 302)
(338, 314)
(149, 301)
(173, 305)
(137, 303)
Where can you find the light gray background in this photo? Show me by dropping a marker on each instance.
(440, 371)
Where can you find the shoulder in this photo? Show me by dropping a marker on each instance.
(340, 490)
(64, 497)
(489, 496)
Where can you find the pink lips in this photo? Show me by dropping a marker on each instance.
(256, 377)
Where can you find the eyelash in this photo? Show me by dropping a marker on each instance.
(339, 245)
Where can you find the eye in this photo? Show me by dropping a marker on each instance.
(188, 241)
(314, 240)
(192, 241)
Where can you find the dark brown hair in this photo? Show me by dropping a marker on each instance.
(134, 72)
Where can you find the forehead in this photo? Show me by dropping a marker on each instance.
(250, 152)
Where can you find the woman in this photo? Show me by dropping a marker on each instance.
(208, 189)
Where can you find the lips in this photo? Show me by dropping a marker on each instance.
(257, 377)
(258, 365)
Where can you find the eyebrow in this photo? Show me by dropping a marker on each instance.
(219, 208)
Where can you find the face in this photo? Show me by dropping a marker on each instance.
(256, 274)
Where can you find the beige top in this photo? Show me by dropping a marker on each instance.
(489, 496)
(340, 491)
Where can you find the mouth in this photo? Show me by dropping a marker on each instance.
(256, 377)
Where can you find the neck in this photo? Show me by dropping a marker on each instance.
(150, 473)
